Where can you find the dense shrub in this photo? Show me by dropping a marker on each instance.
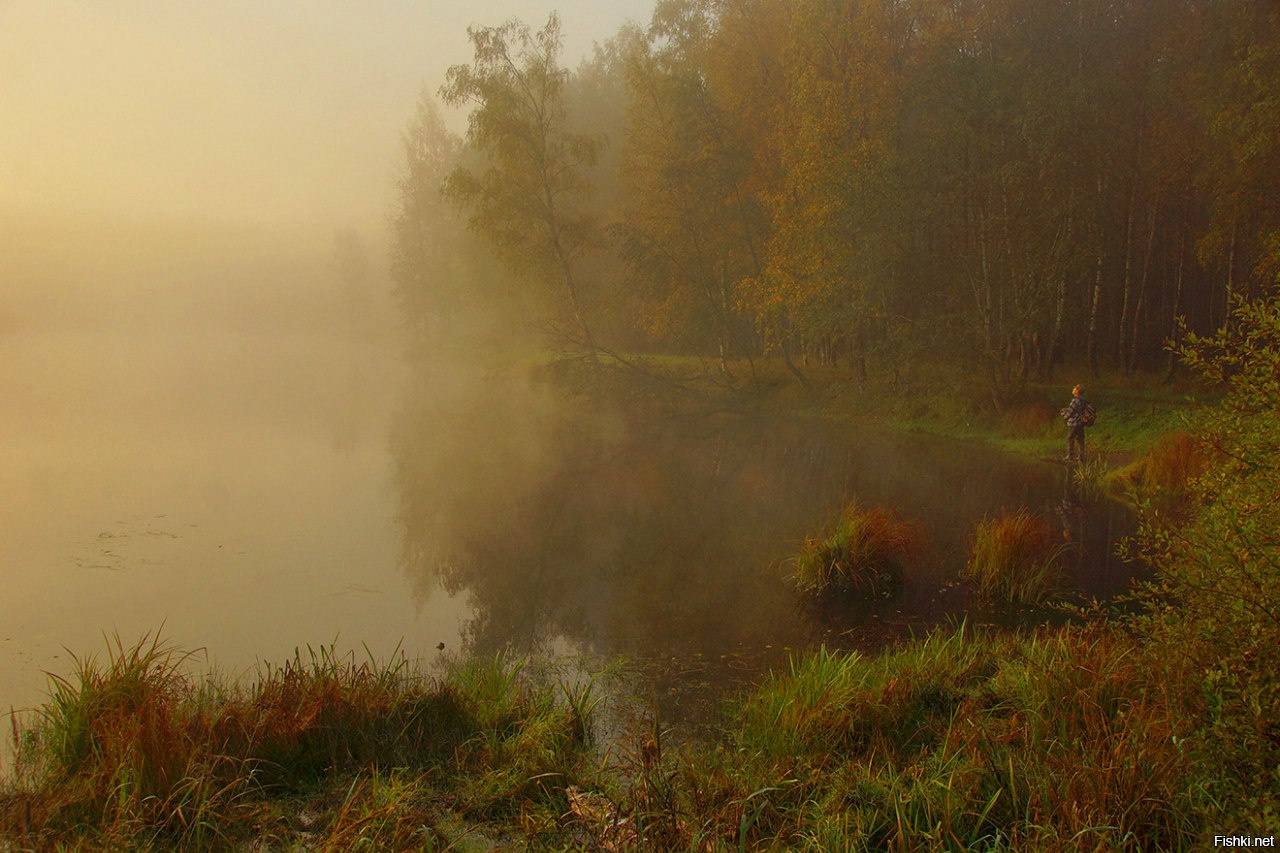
(1216, 603)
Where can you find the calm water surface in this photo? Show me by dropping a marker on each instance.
(667, 540)
(248, 492)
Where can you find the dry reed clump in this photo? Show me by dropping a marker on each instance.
(1014, 558)
(865, 553)
(1167, 469)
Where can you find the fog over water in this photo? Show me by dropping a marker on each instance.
(191, 437)
(190, 432)
(207, 432)
(215, 439)
(280, 111)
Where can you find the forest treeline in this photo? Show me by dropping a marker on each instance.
(1014, 182)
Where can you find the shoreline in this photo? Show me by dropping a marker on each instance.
(354, 769)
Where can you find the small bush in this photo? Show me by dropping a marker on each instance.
(1216, 601)
(1014, 558)
(1031, 421)
(865, 554)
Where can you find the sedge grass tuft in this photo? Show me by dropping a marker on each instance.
(1167, 470)
(1015, 559)
(865, 553)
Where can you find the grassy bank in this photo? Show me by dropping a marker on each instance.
(964, 740)
(1140, 447)
(322, 752)
(941, 398)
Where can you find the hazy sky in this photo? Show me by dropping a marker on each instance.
(261, 110)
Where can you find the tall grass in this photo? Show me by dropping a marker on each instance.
(864, 552)
(962, 741)
(1091, 477)
(1015, 558)
(1061, 740)
(1166, 470)
(136, 752)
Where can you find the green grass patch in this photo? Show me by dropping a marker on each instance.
(964, 740)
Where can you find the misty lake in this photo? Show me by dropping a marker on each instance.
(248, 490)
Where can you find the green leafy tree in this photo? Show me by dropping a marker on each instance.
(1242, 171)
(597, 99)
(1216, 607)
(425, 231)
(527, 198)
(837, 216)
(687, 231)
(448, 287)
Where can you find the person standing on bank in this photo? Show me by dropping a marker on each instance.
(1078, 414)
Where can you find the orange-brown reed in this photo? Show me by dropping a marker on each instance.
(1014, 558)
(1167, 468)
(865, 552)
(137, 753)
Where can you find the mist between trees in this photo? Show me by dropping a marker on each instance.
(1014, 182)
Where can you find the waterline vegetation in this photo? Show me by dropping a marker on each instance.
(865, 552)
(137, 753)
(1148, 731)
(1166, 471)
(1015, 558)
(964, 739)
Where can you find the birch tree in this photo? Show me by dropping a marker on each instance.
(527, 197)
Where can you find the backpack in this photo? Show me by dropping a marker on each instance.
(1089, 415)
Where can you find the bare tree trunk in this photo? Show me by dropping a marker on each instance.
(1122, 349)
(723, 332)
(859, 355)
(579, 317)
(791, 365)
(553, 219)
(1092, 340)
(749, 237)
(1175, 326)
(1231, 282)
(1142, 290)
(985, 302)
(1059, 314)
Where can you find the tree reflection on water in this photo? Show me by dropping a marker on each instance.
(665, 539)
